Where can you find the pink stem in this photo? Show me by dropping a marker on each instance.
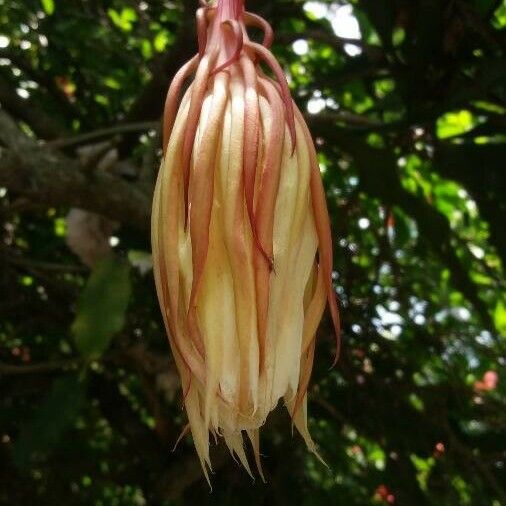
(230, 9)
(238, 42)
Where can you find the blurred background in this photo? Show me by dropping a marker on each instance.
(407, 103)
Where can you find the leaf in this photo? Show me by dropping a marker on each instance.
(102, 306)
(456, 123)
(500, 317)
(161, 40)
(48, 6)
(500, 17)
(123, 20)
(405, 229)
(53, 416)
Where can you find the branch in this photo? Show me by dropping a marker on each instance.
(53, 179)
(181, 475)
(102, 133)
(467, 454)
(45, 266)
(321, 36)
(13, 370)
(358, 122)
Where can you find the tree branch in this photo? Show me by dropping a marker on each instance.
(84, 138)
(11, 370)
(51, 178)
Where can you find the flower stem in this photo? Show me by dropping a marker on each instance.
(230, 9)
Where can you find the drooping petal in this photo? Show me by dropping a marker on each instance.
(172, 100)
(269, 59)
(239, 246)
(322, 222)
(273, 126)
(252, 19)
(198, 92)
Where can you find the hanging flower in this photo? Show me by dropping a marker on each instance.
(240, 235)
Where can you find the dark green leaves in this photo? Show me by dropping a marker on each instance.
(102, 306)
(54, 415)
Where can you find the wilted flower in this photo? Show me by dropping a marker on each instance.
(241, 236)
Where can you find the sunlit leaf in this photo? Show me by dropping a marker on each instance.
(48, 6)
(161, 41)
(500, 16)
(123, 19)
(452, 124)
(500, 317)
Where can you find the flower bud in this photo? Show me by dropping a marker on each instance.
(240, 235)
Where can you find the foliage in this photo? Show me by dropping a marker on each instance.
(407, 102)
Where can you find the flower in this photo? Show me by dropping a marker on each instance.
(240, 236)
(488, 382)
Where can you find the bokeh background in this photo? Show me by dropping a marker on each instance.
(407, 103)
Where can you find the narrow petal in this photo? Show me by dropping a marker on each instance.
(198, 92)
(201, 17)
(172, 100)
(269, 59)
(202, 184)
(252, 19)
(324, 234)
(264, 212)
(252, 134)
(254, 437)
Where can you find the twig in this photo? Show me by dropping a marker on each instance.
(13, 370)
(467, 454)
(51, 178)
(45, 266)
(100, 134)
(329, 408)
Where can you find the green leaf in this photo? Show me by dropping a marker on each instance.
(456, 123)
(161, 41)
(48, 6)
(52, 417)
(123, 20)
(500, 17)
(423, 467)
(500, 317)
(102, 306)
(112, 83)
(146, 49)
